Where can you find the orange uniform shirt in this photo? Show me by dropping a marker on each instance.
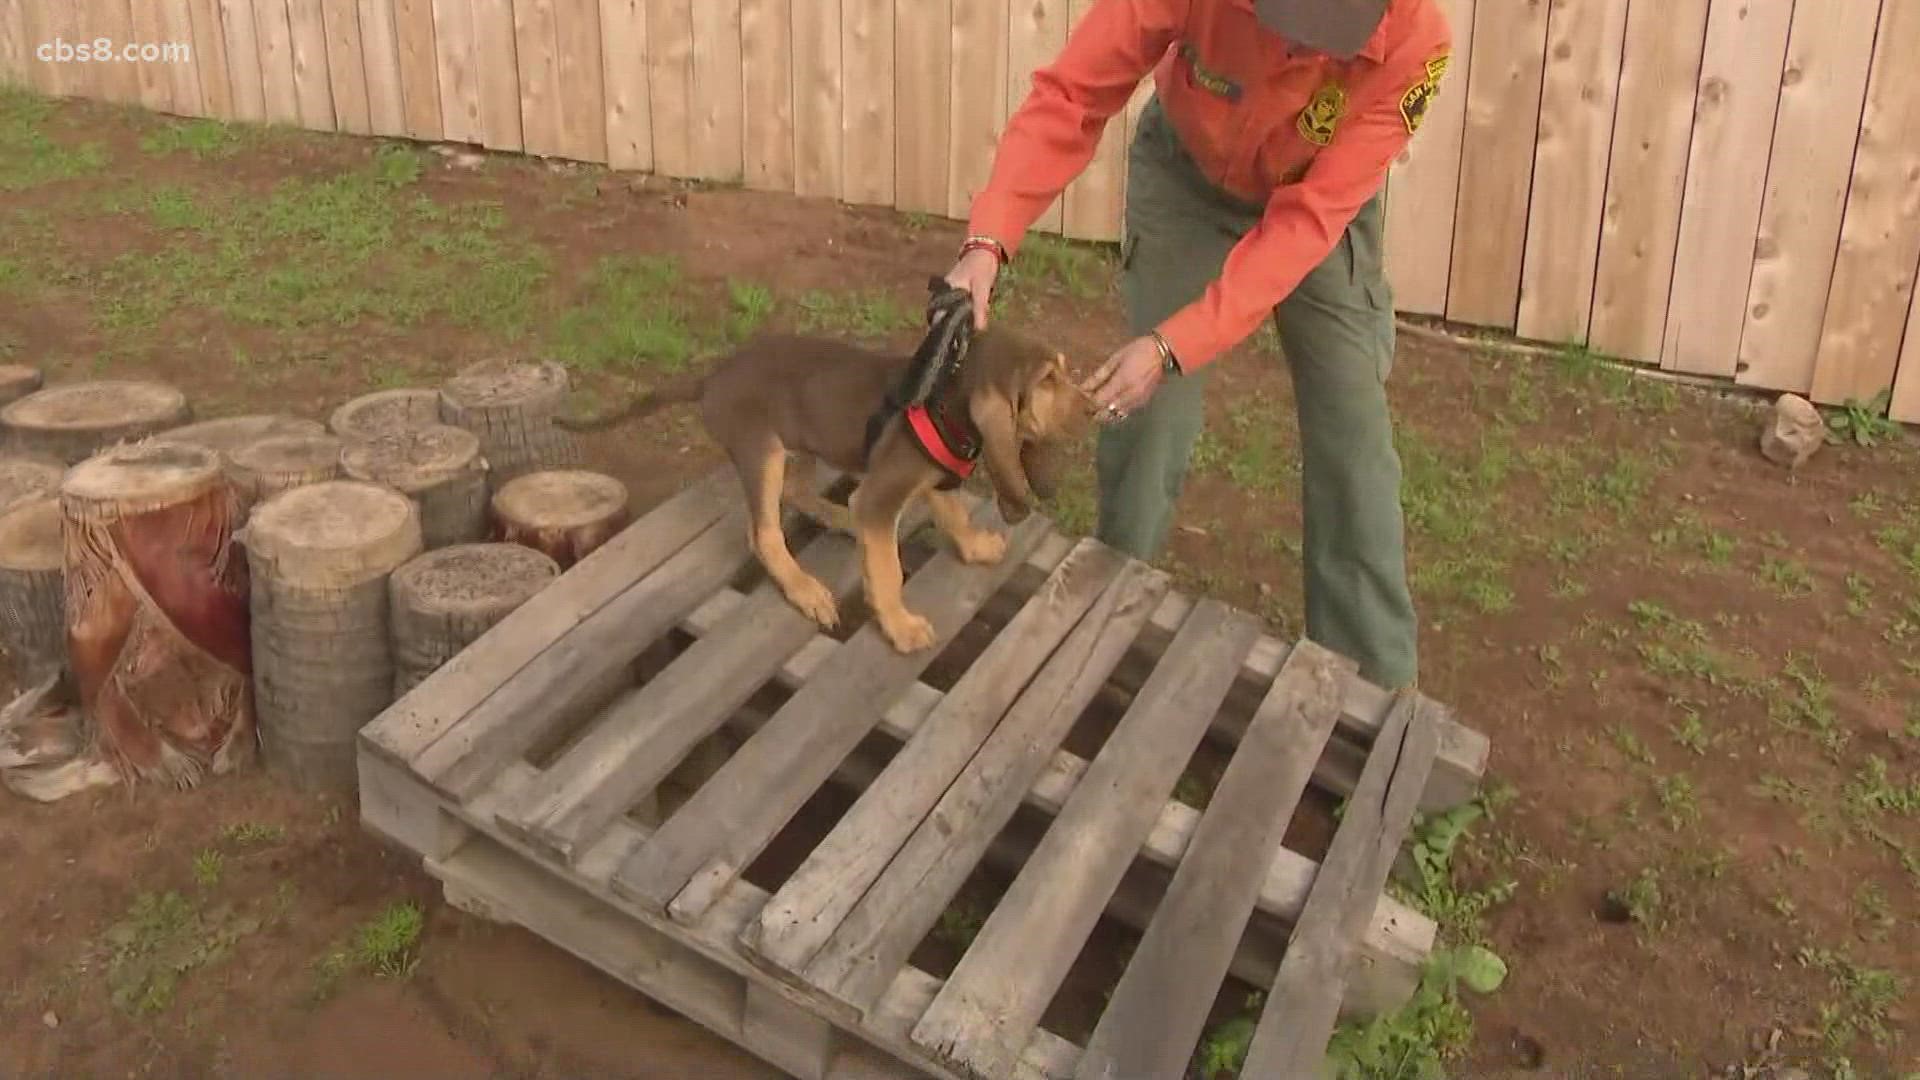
(1308, 137)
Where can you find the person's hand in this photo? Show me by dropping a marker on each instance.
(976, 272)
(1128, 379)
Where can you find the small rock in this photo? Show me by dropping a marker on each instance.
(1793, 432)
(467, 160)
(50, 1019)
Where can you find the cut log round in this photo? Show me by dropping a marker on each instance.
(511, 406)
(444, 600)
(71, 423)
(263, 469)
(385, 411)
(33, 603)
(439, 467)
(319, 558)
(229, 434)
(562, 513)
(23, 479)
(156, 612)
(17, 381)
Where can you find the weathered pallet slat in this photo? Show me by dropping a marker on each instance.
(543, 815)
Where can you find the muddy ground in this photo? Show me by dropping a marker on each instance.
(1700, 673)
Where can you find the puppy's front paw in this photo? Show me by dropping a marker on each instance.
(982, 547)
(907, 632)
(815, 601)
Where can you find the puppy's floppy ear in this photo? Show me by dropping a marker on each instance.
(1004, 372)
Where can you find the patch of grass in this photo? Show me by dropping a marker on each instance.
(207, 868)
(1872, 791)
(202, 139)
(1677, 801)
(1079, 270)
(29, 157)
(1417, 1039)
(633, 316)
(163, 938)
(960, 921)
(1863, 423)
(1642, 901)
(1689, 533)
(1863, 998)
(250, 833)
(1788, 577)
(1453, 505)
(1255, 451)
(384, 946)
(867, 314)
(1691, 732)
(1810, 710)
(1457, 911)
(749, 304)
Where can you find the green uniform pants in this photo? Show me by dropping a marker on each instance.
(1336, 330)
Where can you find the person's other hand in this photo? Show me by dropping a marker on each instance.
(976, 272)
(1128, 379)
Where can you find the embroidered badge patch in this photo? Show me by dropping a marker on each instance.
(1322, 114)
(1208, 80)
(1419, 97)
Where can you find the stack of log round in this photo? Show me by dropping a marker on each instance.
(444, 600)
(70, 423)
(320, 557)
(563, 513)
(265, 468)
(511, 406)
(23, 479)
(385, 411)
(33, 610)
(229, 434)
(439, 467)
(156, 611)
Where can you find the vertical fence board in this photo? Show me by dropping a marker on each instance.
(497, 56)
(347, 69)
(623, 46)
(866, 63)
(1906, 384)
(153, 87)
(312, 87)
(1872, 291)
(380, 55)
(670, 82)
(1726, 179)
(1090, 208)
(818, 151)
(210, 59)
(1036, 32)
(118, 80)
(274, 33)
(457, 69)
(583, 95)
(978, 90)
(419, 67)
(1653, 127)
(922, 112)
(14, 50)
(183, 77)
(1425, 183)
(537, 46)
(1579, 86)
(1503, 98)
(719, 113)
(766, 48)
(1822, 94)
(241, 38)
(36, 27)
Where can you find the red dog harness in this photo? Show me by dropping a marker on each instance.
(925, 395)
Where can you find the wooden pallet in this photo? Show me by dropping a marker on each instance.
(659, 765)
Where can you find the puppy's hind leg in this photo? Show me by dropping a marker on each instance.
(975, 545)
(763, 471)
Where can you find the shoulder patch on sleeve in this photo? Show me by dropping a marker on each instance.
(1419, 97)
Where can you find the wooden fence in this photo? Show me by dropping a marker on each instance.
(1719, 187)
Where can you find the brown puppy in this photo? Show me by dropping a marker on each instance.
(811, 398)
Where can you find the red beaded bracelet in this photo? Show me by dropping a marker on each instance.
(985, 243)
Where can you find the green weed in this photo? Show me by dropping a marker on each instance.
(634, 315)
(1863, 423)
(869, 314)
(384, 946)
(29, 157)
(1864, 998)
(1224, 1049)
(1415, 1041)
(749, 305)
(199, 138)
(1677, 801)
(163, 938)
(1641, 899)
(1788, 577)
(207, 868)
(1055, 263)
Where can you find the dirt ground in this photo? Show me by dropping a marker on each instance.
(1700, 673)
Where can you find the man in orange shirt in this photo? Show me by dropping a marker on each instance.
(1253, 192)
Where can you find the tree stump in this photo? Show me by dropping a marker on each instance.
(156, 612)
(71, 423)
(229, 434)
(23, 479)
(384, 411)
(261, 470)
(319, 557)
(439, 467)
(442, 601)
(33, 603)
(17, 381)
(562, 513)
(511, 407)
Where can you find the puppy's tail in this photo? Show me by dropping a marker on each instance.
(678, 392)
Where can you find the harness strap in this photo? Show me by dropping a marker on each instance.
(921, 393)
